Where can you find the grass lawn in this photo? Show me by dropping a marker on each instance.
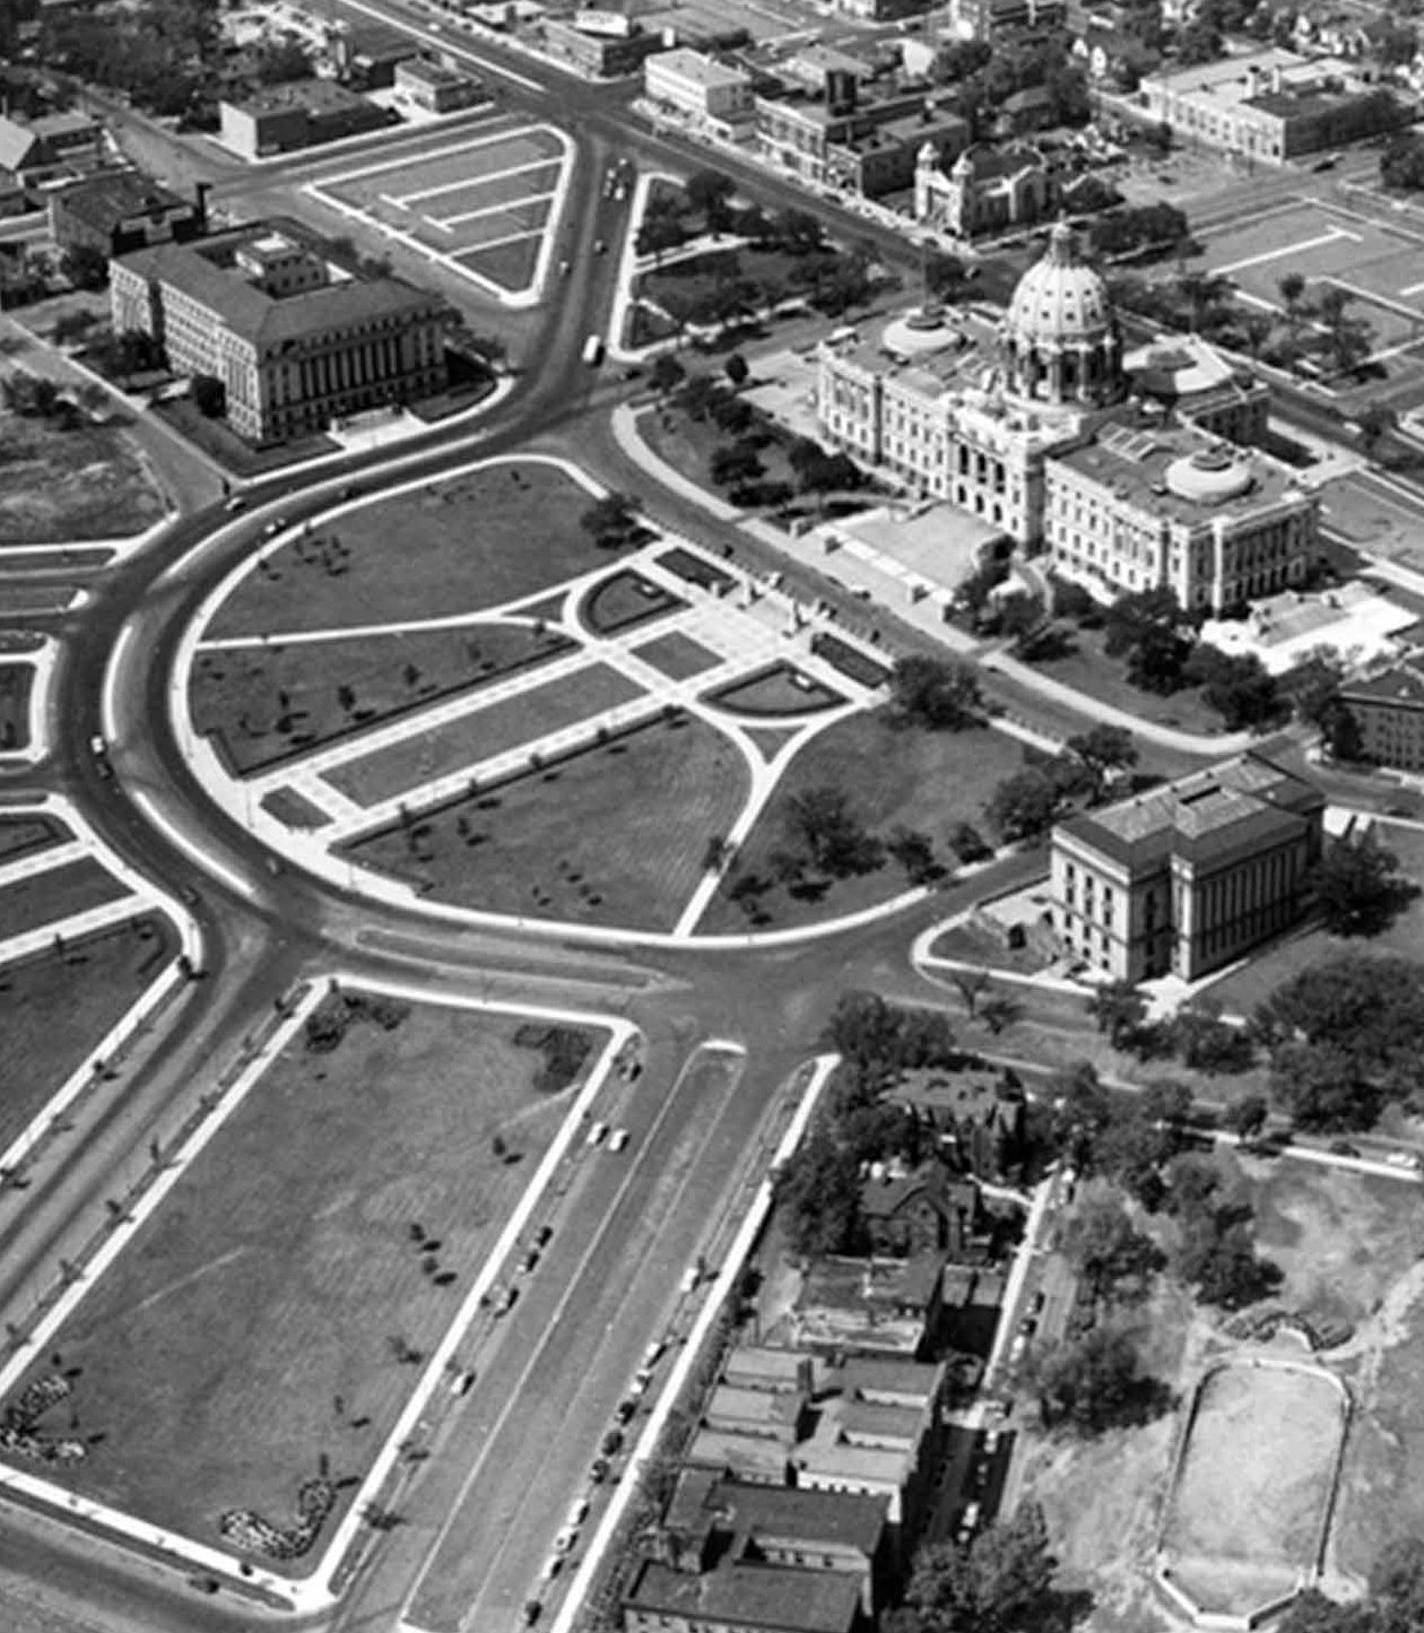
(1254, 1485)
(781, 690)
(1242, 989)
(19, 835)
(509, 265)
(57, 1008)
(972, 943)
(468, 543)
(16, 683)
(277, 1271)
(34, 596)
(264, 703)
(616, 835)
(89, 483)
(695, 277)
(1088, 669)
(52, 561)
(295, 809)
(677, 656)
(45, 898)
(624, 599)
(524, 718)
(688, 445)
(923, 780)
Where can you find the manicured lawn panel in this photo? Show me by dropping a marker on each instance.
(57, 1008)
(88, 483)
(35, 560)
(616, 835)
(695, 570)
(17, 681)
(1088, 669)
(525, 717)
(850, 660)
(625, 599)
(288, 806)
(35, 597)
(275, 1274)
(780, 690)
(265, 703)
(510, 265)
(21, 835)
(464, 544)
(891, 776)
(677, 656)
(47, 897)
(767, 741)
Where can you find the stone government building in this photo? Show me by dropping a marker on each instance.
(1128, 471)
(295, 341)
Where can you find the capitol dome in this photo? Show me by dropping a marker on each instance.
(1210, 476)
(1060, 334)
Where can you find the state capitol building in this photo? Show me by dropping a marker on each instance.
(1127, 471)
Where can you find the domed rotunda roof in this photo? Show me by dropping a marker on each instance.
(1060, 298)
(1210, 476)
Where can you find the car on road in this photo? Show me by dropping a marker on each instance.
(577, 1514)
(545, 1236)
(618, 1140)
(97, 745)
(510, 1299)
(1403, 1159)
(564, 1542)
(612, 1443)
(598, 1470)
(463, 1382)
(599, 247)
(531, 1259)
(597, 1134)
(552, 1566)
(565, 267)
(236, 503)
(274, 527)
(625, 1410)
(532, 1610)
(1343, 1148)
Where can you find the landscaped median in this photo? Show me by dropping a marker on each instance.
(286, 1288)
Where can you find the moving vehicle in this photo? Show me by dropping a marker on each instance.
(596, 1134)
(236, 503)
(619, 1140)
(593, 351)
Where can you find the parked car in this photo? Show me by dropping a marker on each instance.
(1343, 1148)
(618, 1140)
(597, 1134)
(612, 1443)
(598, 1470)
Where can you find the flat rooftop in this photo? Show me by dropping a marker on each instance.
(701, 70)
(1177, 473)
(751, 1596)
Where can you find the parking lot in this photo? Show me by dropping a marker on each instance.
(482, 206)
(1379, 263)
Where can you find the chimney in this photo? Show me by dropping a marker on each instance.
(200, 199)
(1278, 79)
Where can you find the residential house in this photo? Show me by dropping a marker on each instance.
(976, 1115)
(53, 143)
(121, 210)
(923, 1210)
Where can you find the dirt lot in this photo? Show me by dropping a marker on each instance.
(89, 483)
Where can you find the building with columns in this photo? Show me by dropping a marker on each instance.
(1184, 879)
(1034, 421)
(295, 341)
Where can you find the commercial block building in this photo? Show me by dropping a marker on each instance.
(598, 53)
(741, 1599)
(280, 118)
(295, 342)
(436, 88)
(51, 144)
(121, 211)
(707, 93)
(1186, 878)
(1269, 105)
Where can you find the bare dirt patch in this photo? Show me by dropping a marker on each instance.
(88, 483)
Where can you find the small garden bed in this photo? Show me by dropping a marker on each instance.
(16, 684)
(696, 571)
(677, 656)
(294, 810)
(22, 835)
(850, 660)
(623, 600)
(781, 690)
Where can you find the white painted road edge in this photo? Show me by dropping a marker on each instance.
(313, 1593)
(751, 1225)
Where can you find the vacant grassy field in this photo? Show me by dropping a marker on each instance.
(923, 780)
(16, 683)
(677, 656)
(616, 835)
(58, 1008)
(258, 1313)
(1253, 1486)
(1242, 989)
(1088, 669)
(265, 703)
(19, 835)
(465, 543)
(45, 898)
(88, 483)
(35, 596)
(523, 718)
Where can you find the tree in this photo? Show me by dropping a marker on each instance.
(938, 693)
(1135, 613)
(734, 465)
(1374, 422)
(1237, 685)
(1315, 686)
(1402, 162)
(737, 370)
(709, 193)
(611, 521)
(798, 232)
(820, 821)
(968, 844)
(1001, 1583)
(71, 327)
(666, 374)
(1348, 340)
(1291, 289)
(209, 395)
(1206, 1043)
(1024, 806)
(1114, 1258)
(282, 61)
(657, 234)
(1246, 1117)
(1021, 618)
(1356, 885)
(818, 1191)
(1096, 1383)
(1322, 1088)
(914, 851)
(1103, 750)
(85, 266)
(1118, 1008)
